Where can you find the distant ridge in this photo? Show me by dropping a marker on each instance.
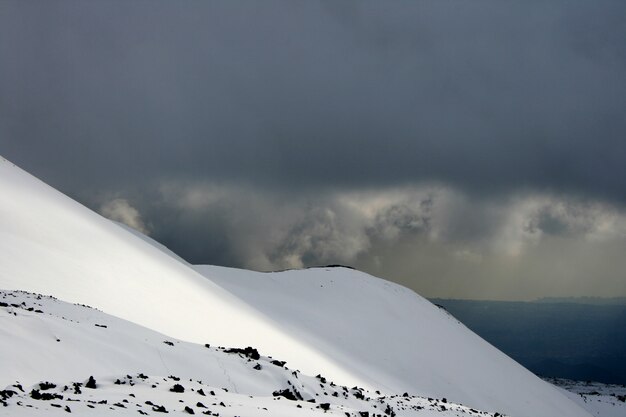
(584, 300)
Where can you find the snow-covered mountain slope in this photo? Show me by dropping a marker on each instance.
(50, 244)
(353, 328)
(389, 331)
(50, 349)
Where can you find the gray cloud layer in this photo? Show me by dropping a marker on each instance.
(432, 238)
(294, 108)
(485, 95)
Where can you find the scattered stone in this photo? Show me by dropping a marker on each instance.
(177, 388)
(286, 393)
(249, 352)
(46, 385)
(91, 383)
(389, 411)
(45, 396)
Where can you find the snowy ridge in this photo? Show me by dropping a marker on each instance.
(355, 329)
(402, 338)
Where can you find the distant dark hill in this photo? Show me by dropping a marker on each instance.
(574, 340)
(584, 300)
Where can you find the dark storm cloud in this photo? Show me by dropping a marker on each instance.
(483, 95)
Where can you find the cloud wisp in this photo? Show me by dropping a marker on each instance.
(120, 210)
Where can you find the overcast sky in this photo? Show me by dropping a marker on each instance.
(466, 149)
